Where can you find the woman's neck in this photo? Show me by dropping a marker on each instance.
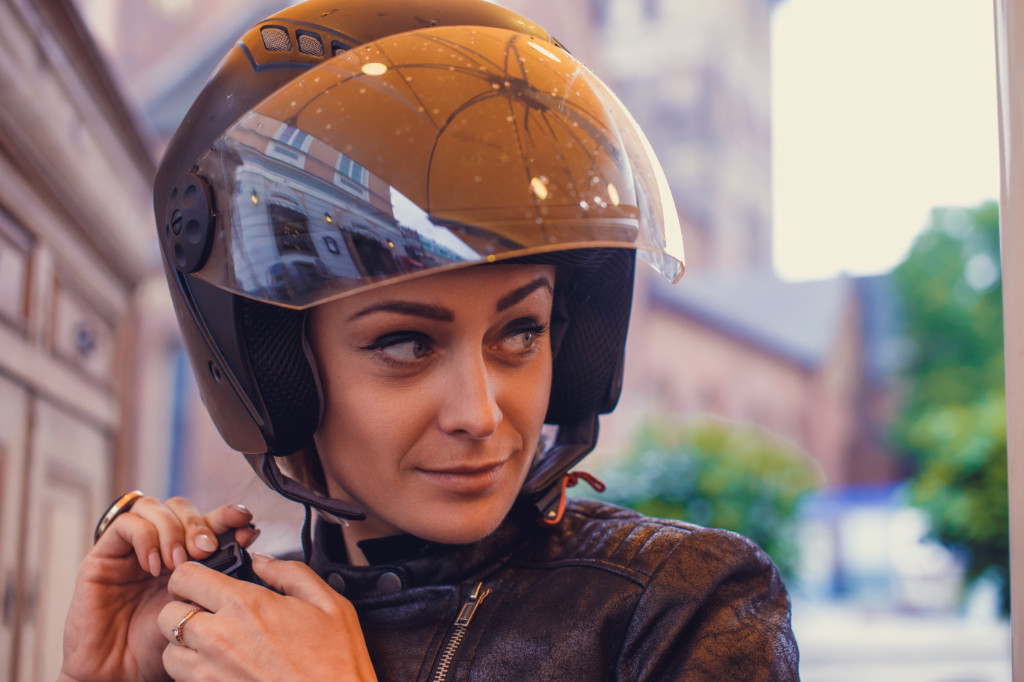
(352, 549)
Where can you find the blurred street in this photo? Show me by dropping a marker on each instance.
(850, 643)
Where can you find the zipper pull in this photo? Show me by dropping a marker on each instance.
(472, 602)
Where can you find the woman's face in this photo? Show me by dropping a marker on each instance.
(435, 392)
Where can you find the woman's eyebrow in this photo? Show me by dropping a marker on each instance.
(511, 298)
(430, 312)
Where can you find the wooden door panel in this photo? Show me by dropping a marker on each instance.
(13, 426)
(70, 463)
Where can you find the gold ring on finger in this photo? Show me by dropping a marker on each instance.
(179, 630)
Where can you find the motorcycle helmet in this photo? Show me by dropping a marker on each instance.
(346, 144)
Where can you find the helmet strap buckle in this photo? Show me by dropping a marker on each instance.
(552, 515)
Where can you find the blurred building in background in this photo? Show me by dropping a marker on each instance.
(74, 178)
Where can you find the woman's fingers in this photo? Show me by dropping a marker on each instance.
(235, 516)
(181, 661)
(129, 533)
(202, 585)
(168, 527)
(199, 584)
(170, 533)
(295, 579)
(200, 537)
(247, 535)
(182, 622)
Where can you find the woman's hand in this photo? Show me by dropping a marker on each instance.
(111, 631)
(247, 632)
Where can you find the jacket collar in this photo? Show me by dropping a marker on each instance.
(404, 561)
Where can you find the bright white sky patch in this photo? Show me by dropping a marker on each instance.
(882, 109)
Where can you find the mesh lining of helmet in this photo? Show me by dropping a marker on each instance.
(273, 337)
(598, 300)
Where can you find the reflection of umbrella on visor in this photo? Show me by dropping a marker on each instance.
(476, 127)
(503, 139)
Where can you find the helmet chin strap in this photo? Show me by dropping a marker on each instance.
(272, 475)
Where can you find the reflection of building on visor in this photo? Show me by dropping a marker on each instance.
(463, 147)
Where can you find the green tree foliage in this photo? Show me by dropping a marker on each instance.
(962, 482)
(953, 419)
(951, 291)
(721, 475)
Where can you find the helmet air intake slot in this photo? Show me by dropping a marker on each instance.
(276, 39)
(310, 43)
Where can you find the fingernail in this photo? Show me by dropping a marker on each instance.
(205, 542)
(179, 555)
(242, 508)
(255, 534)
(154, 563)
(260, 556)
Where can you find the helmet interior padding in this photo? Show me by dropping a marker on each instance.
(273, 337)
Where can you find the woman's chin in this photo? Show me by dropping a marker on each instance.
(464, 538)
(466, 532)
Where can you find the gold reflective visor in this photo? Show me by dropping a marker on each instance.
(429, 150)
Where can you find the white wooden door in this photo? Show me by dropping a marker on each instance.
(13, 451)
(69, 464)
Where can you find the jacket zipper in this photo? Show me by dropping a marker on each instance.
(457, 632)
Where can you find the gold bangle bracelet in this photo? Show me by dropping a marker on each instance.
(119, 506)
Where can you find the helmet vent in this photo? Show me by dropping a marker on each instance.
(337, 48)
(276, 39)
(310, 44)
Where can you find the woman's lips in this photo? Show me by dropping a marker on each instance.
(465, 480)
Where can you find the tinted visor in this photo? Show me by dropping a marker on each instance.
(430, 150)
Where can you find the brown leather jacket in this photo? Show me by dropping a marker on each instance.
(607, 594)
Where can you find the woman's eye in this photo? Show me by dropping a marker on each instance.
(401, 347)
(407, 351)
(524, 339)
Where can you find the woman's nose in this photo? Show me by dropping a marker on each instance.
(469, 406)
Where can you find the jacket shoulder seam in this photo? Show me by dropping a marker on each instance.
(639, 578)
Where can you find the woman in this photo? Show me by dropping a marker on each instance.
(400, 239)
